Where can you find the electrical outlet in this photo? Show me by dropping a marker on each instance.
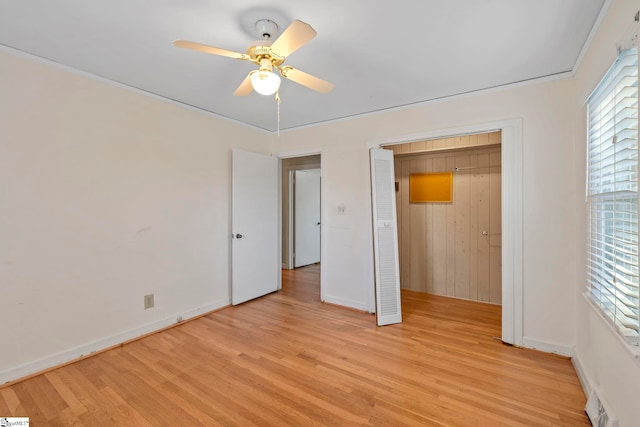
(148, 301)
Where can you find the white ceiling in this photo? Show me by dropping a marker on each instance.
(379, 54)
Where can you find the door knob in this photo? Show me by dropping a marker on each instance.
(318, 224)
(238, 236)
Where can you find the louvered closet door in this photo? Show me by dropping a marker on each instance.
(385, 238)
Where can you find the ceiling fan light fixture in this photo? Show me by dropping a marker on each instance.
(265, 82)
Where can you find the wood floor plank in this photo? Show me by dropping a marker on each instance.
(4, 408)
(73, 403)
(288, 359)
(10, 402)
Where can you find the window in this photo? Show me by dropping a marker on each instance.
(612, 189)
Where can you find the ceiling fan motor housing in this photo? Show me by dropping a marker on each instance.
(260, 51)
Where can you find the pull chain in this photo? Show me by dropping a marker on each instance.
(278, 102)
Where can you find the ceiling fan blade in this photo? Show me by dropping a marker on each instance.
(294, 37)
(245, 87)
(209, 49)
(307, 80)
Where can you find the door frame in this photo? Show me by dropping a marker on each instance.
(290, 225)
(512, 157)
(294, 154)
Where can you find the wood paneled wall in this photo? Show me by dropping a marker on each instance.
(443, 250)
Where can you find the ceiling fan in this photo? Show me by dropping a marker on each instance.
(269, 55)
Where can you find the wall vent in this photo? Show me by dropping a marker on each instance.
(598, 414)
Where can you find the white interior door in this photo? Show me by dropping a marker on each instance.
(255, 249)
(306, 217)
(385, 237)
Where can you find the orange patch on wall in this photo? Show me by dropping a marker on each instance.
(431, 187)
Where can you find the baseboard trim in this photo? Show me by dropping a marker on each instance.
(547, 347)
(585, 380)
(57, 360)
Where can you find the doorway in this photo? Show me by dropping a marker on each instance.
(301, 226)
(452, 248)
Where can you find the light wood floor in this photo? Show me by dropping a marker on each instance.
(287, 359)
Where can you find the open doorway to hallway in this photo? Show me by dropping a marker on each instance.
(301, 224)
(452, 248)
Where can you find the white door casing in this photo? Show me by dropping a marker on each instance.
(512, 214)
(255, 255)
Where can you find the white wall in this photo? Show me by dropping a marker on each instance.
(604, 362)
(106, 195)
(547, 113)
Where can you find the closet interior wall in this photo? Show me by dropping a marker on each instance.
(452, 249)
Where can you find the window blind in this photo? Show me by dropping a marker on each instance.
(612, 178)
